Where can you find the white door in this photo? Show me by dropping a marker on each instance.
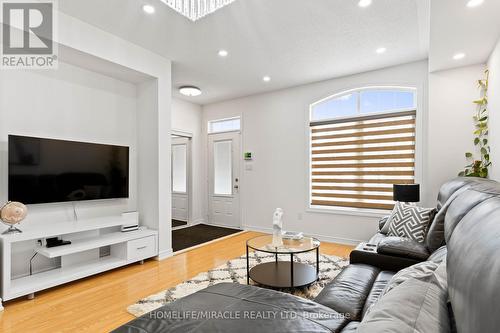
(180, 179)
(224, 179)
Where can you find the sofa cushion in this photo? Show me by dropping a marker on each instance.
(232, 307)
(352, 327)
(377, 290)
(448, 192)
(420, 271)
(410, 221)
(425, 309)
(403, 247)
(473, 264)
(439, 255)
(348, 292)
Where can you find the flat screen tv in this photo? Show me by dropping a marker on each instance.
(47, 170)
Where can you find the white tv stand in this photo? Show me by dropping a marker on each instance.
(97, 245)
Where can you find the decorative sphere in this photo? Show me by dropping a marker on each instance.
(13, 213)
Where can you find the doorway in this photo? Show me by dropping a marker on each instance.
(181, 180)
(224, 179)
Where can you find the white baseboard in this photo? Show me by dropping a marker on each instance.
(323, 238)
(164, 254)
(1, 307)
(195, 222)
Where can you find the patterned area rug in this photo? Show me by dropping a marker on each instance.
(235, 271)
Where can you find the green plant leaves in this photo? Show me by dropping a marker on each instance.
(479, 167)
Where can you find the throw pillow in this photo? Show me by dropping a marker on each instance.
(410, 221)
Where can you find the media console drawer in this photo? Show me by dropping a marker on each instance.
(141, 248)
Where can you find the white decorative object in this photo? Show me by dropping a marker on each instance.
(277, 227)
(196, 9)
(11, 214)
(293, 235)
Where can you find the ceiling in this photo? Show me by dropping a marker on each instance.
(456, 28)
(293, 41)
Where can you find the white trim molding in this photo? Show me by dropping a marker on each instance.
(164, 254)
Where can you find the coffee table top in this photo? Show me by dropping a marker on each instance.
(265, 244)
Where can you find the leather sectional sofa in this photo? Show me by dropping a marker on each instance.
(456, 288)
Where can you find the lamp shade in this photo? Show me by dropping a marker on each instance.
(406, 193)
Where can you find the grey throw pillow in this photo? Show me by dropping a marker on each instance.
(410, 221)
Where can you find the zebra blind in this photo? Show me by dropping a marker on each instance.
(355, 162)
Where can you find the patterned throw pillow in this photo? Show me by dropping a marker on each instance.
(410, 221)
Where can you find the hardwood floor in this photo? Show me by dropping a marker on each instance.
(98, 303)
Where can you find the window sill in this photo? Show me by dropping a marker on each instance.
(349, 211)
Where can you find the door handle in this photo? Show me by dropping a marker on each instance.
(236, 187)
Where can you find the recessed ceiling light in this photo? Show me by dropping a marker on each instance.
(474, 3)
(190, 91)
(459, 56)
(148, 9)
(380, 50)
(266, 78)
(223, 53)
(364, 3)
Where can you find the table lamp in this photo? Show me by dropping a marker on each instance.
(406, 193)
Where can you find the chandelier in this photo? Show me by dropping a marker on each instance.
(196, 9)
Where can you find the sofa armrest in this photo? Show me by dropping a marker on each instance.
(403, 247)
(368, 254)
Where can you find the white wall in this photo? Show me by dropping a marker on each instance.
(187, 117)
(71, 104)
(451, 108)
(275, 130)
(102, 52)
(494, 107)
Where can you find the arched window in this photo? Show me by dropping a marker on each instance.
(362, 142)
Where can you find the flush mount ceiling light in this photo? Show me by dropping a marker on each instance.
(380, 50)
(266, 78)
(196, 9)
(148, 9)
(474, 3)
(459, 56)
(364, 3)
(190, 91)
(223, 53)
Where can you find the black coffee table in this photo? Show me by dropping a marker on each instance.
(283, 274)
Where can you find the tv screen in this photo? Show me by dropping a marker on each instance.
(47, 170)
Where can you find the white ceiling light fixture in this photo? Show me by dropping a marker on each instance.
(380, 50)
(148, 9)
(474, 3)
(223, 53)
(459, 56)
(195, 10)
(364, 3)
(190, 91)
(266, 78)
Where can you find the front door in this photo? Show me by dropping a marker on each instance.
(224, 179)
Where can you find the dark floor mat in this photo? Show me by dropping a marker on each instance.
(198, 234)
(177, 223)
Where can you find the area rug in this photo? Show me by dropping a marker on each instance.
(235, 271)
